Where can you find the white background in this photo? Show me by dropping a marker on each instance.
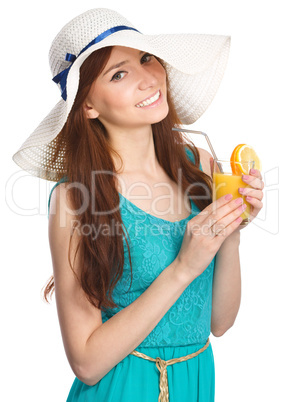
(247, 109)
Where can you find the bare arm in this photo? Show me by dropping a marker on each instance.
(93, 348)
(226, 285)
(227, 275)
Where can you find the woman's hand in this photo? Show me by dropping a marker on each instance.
(206, 232)
(253, 195)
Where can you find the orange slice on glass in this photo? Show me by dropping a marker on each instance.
(241, 154)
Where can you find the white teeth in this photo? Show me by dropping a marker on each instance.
(149, 101)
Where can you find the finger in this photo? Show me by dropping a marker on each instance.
(256, 173)
(209, 210)
(222, 235)
(217, 230)
(254, 182)
(254, 202)
(226, 209)
(219, 226)
(247, 191)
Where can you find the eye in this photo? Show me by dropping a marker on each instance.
(118, 76)
(146, 58)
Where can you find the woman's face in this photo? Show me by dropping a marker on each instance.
(130, 92)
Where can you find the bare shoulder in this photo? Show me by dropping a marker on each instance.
(205, 157)
(59, 199)
(60, 224)
(72, 303)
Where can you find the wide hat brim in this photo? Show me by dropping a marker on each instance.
(195, 65)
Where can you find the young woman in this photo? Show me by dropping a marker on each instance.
(139, 285)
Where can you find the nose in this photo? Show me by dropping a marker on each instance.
(147, 79)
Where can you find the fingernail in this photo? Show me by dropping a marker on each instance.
(239, 201)
(253, 171)
(248, 198)
(228, 197)
(241, 190)
(242, 207)
(245, 177)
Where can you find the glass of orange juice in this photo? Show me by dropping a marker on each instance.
(225, 181)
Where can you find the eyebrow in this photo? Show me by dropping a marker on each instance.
(119, 65)
(115, 66)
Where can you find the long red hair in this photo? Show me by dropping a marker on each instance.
(88, 150)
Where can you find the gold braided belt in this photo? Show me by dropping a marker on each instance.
(162, 367)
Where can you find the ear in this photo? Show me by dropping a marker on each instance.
(90, 112)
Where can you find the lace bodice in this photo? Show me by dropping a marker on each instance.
(154, 244)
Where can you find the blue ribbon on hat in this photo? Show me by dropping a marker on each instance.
(62, 76)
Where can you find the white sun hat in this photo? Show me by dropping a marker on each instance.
(195, 64)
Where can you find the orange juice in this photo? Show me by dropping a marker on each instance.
(229, 184)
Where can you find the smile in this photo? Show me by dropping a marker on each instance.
(150, 101)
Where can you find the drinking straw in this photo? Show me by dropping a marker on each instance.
(207, 139)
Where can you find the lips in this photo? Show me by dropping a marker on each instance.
(150, 100)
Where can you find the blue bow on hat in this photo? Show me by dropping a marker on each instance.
(61, 78)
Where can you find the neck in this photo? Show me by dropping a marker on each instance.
(137, 150)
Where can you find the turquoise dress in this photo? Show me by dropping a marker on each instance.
(154, 244)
